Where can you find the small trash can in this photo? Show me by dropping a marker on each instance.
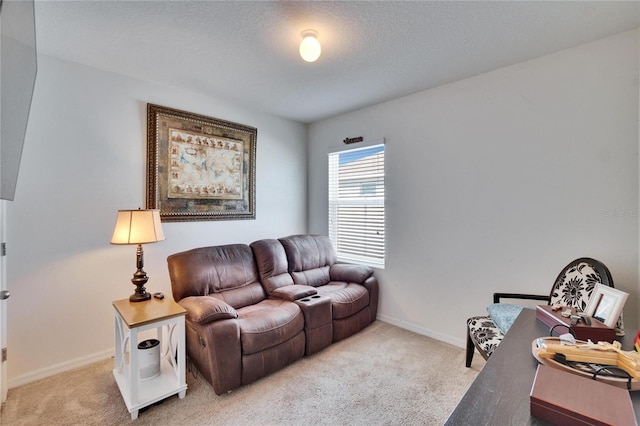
(149, 357)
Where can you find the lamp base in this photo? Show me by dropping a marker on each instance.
(139, 280)
(139, 297)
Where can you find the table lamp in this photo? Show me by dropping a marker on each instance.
(138, 227)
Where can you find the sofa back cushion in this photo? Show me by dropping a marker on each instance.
(272, 264)
(226, 272)
(310, 257)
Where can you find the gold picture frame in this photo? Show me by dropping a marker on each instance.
(199, 168)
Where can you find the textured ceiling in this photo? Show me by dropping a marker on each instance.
(247, 52)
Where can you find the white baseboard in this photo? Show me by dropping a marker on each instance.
(423, 331)
(59, 368)
(100, 356)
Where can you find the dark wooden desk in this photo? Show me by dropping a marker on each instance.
(500, 393)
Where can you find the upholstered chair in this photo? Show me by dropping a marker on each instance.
(352, 289)
(573, 288)
(235, 334)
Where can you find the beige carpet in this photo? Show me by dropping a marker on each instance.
(384, 375)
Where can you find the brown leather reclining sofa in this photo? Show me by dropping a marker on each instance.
(252, 310)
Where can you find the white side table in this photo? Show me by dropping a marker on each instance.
(131, 318)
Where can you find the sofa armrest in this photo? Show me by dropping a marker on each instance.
(215, 349)
(350, 273)
(293, 292)
(498, 296)
(205, 309)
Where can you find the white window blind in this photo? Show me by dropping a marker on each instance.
(356, 204)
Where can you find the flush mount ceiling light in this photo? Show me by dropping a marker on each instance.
(310, 46)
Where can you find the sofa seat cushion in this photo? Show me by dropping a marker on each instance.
(346, 298)
(267, 324)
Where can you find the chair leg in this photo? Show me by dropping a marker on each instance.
(470, 349)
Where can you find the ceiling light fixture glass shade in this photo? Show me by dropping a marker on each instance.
(310, 48)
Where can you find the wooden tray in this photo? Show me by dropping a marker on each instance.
(581, 369)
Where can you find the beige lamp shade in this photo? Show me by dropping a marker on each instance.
(137, 227)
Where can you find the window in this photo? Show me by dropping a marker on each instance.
(356, 204)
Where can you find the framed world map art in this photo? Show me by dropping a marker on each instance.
(199, 168)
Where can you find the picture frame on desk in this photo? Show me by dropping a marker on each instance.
(605, 304)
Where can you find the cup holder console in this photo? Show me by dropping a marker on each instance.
(318, 326)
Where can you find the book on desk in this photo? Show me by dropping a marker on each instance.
(560, 397)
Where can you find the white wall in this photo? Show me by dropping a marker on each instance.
(85, 158)
(494, 183)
